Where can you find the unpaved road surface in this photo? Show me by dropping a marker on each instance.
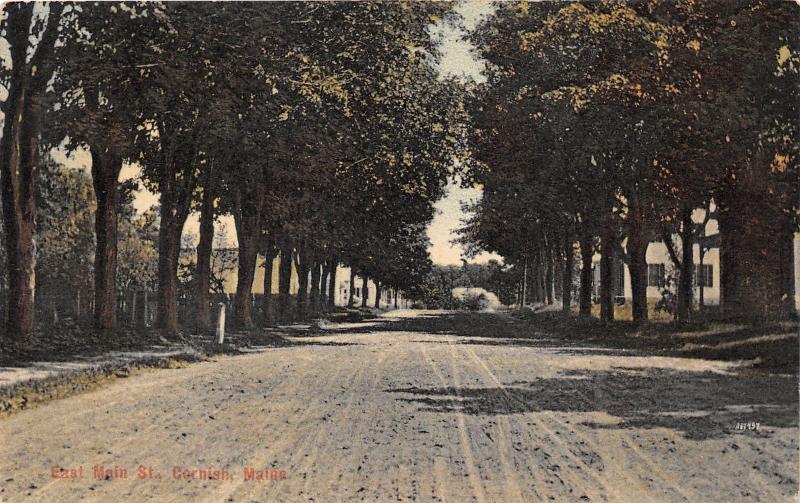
(417, 407)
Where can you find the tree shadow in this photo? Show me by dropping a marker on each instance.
(700, 405)
(772, 346)
(465, 324)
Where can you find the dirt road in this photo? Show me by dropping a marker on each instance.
(416, 407)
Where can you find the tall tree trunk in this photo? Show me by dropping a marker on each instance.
(169, 242)
(566, 281)
(19, 154)
(351, 293)
(315, 291)
(378, 294)
(323, 286)
(756, 259)
(176, 183)
(285, 284)
(549, 277)
(18, 166)
(248, 253)
(332, 265)
(587, 250)
(637, 251)
(523, 287)
(202, 279)
(302, 292)
(19, 163)
(687, 266)
(168, 255)
(248, 202)
(606, 273)
(105, 176)
(756, 248)
(536, 279)
(270, 252)
(395, 298)
(364, 291)
(543, 280)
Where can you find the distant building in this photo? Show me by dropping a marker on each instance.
(660, 267)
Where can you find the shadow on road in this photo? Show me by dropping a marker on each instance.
(699, 404)
(773, 346)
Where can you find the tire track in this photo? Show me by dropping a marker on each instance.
(552, 436)
(669, 480)
(286, 442)
(505, 446)
(466, 450)
(346, 411)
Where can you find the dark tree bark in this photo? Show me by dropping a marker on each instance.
(395, 298)
(106, 167)
(586, 275)
(248, 203)
(248, 253)
(176, 182)
(537, 292)
(606, 273)
(756, 259)
(351, 294)
(637, 251)
(549, 277)
(270, 252)
(315, 290)
(285, 283)
(323, 286)
(685, 278)
(19, 156)
(19, 163)
(173, 217)
(302, 292)
(202, 280)
(364, 291)
(523, 286)
(378, 294)
(19, 166)
(168, 255)
(566, 280)
(332, 265)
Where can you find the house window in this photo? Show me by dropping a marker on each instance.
(706, 275)
(656, 274)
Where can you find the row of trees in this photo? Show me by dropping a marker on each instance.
(321, 127)
(607, 124)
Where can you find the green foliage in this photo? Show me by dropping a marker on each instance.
(137, 252)
(435, 290)
(592, 110)
(64, 233)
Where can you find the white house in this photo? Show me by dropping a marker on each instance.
(660, 266)
(343, 287)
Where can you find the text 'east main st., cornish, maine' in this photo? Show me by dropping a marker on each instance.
(148, 472)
